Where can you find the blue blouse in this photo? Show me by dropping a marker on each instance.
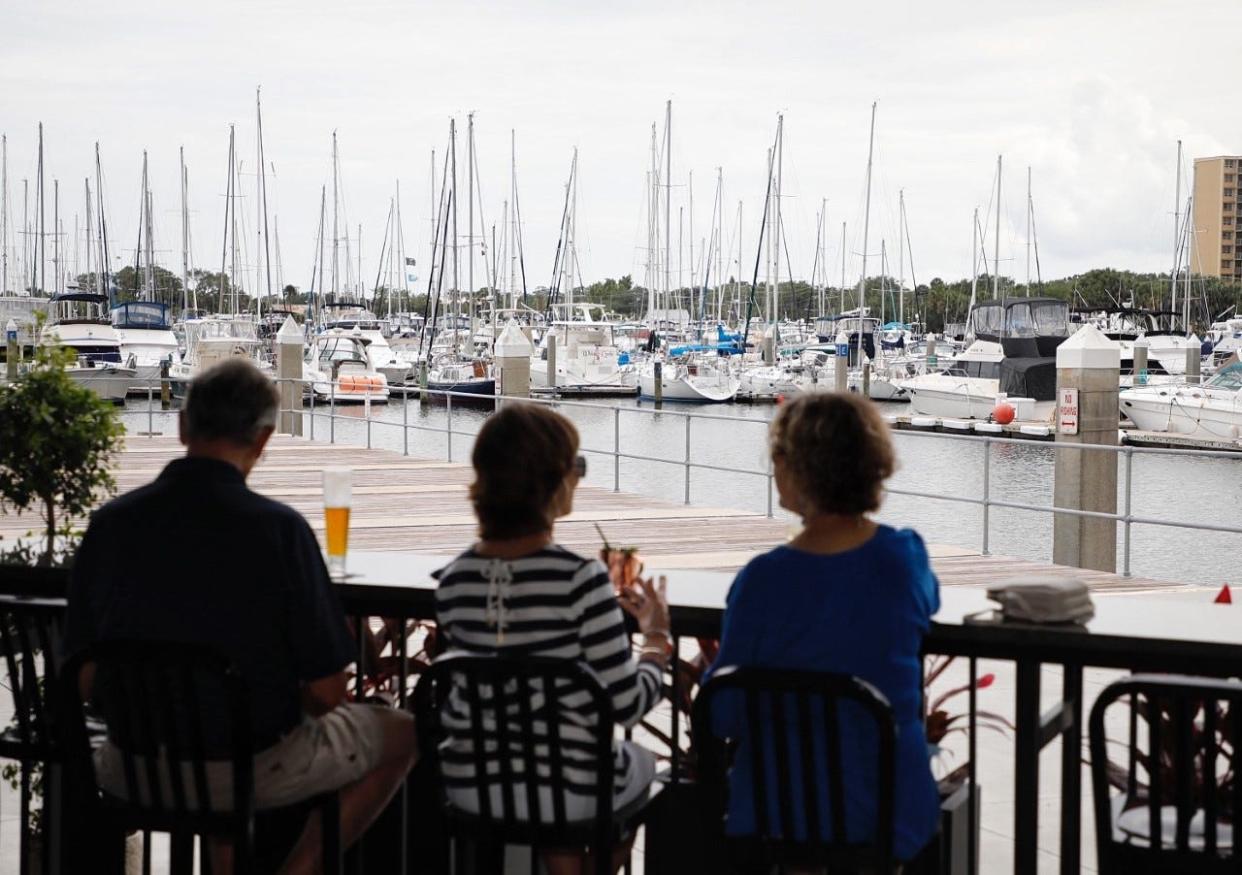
(862, 612)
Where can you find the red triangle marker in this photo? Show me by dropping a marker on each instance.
(1224, 597)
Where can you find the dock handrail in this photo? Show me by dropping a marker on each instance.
(314, 412)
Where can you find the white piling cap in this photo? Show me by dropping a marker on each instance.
(10, 326)
(1141, 340)
(841, 338)
(1089, 348)
(289, 332)
(512, 343)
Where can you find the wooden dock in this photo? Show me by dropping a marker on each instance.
(403, 503)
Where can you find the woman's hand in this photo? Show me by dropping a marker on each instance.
(647, 603)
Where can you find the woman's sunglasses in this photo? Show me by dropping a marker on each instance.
(580, 466)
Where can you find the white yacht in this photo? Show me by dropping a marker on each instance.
(213, 339)
(1014, 353)
(372, 330)
(1212, 410)
(79, 322)
(145, 335)
(587, 358)
(693, 378)
(337, 368)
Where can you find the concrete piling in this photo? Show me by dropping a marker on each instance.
(841, 363)
(658, 371)
(1140, 362)
(512, 352)
(866, 379)
(1087, 414)
(1194, 361)
(11, 352)
(552, 379)
(289, 352)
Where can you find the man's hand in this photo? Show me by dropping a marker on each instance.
(321, 696)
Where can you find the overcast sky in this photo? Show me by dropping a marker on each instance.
(1091, 95)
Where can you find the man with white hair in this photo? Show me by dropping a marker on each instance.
(196, 556)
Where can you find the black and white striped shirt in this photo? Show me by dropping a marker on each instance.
(550, 603)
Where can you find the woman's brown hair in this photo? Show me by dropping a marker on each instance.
(837, 448)
(522, 455)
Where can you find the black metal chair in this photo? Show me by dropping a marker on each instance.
(1185, 737)
(777, 704)
(29, 637)
(157, 700)
(533, 774)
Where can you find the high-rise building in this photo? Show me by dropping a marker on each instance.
(1214, 242)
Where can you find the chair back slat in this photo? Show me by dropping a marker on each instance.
(194, 734)
(1210, 753)
(779, 734)
(479, 747)
(517, 705)
(30, 631)
(806, 738)
(530, 748)
(1185, 782)
(504, 746)
(796, 697)
(165, 697)
(556, 758)
(1155, 771)
(1183, 769)
(758, 755)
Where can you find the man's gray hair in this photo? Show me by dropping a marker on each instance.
(233, 401)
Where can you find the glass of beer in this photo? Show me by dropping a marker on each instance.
(337, 495)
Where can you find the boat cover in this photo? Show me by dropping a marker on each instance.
(1029, 378)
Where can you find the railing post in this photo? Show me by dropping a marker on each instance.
(1125, 570)
(616, 449)
(405, 422)
(302, 388)
(449, 426)
(332, 412)
(769, 478)
(150, 411)
(687, 460)
(987, 490)
(367, 416)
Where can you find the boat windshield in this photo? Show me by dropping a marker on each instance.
(1037, 319)
(341, 349)
(227, 329)
(1228, 377)
(141, 314)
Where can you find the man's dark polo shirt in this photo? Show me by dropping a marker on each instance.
(196, 556)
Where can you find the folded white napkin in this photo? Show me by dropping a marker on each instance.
(1043, 599)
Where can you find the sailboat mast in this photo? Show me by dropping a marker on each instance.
(4, 214)
(228, 200)
(901, 256)
(336, 212)
(86, 183)
(400, 254)
(841, 308)
(996, 242)
(470, 215)
(42, 241)
(1028, 230)
(456, 259)
(777, 224)
(185, 240)
(317, 291)
(56, 235)
(668, 201)
(267, 250)
(104, 277)
(974, 262)
(1177, 206)
(862, 280)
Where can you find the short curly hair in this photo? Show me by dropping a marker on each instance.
(838, 449)
(522, 455)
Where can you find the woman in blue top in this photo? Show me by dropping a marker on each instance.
(847, 595)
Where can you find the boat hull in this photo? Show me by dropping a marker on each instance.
(1186, 410)
(109, 382)
(688, 389)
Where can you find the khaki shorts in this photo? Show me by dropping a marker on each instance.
(319, 755)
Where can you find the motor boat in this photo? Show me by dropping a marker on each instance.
(145, 334)
(1013, 353)
(587, 358)
(1211, 410)
(693, 378)
(449, 372)
(338, 369)
(210, 340)
(365, 324)
(81, 324)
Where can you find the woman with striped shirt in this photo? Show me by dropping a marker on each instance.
(518, 593)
